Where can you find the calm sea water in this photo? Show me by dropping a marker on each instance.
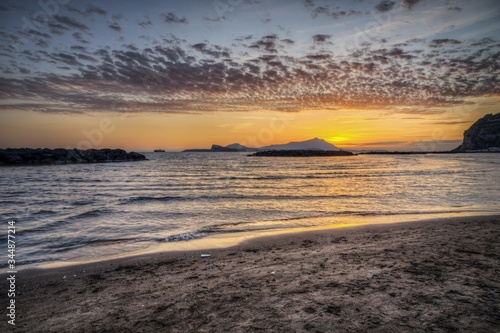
(78, 212)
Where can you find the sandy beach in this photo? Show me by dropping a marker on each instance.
(428, 276)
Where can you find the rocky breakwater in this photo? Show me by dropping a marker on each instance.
(483, 135)
(29, 156)
(302, 153)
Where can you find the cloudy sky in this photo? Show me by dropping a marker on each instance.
(182, 74)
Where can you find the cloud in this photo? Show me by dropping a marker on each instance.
(78, 36)
(397, 53)
(35, 33)
(214, 19)
(43, 43)
(484, 41)
(409, 3)
(146, 23)
(266, 19)
(78, 48)
(173, 75)
(385, 6)
(172, 53)
(173, 18)
(243, 38)
(266, 43)
(24, 70)
(444, 42)
(380, 143)
(75, 10)
(270, 37)
(69, 22)
(91, 9)
(335, 13)
(115, 26)
(321, 38)
(57, 28)
(85, 57)
(319, 56)
(416, 40)
(309, 3)
(214, 51)
(451, 122)
(66, 58)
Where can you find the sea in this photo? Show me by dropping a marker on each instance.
(68, 213)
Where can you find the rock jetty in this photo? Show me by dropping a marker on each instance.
(30, 156)
(303, 153)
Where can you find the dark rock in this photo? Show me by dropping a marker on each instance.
(483, 135)
(28, 156)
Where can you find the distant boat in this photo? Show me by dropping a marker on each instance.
(159, 151)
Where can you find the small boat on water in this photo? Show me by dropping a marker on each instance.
(159, 151)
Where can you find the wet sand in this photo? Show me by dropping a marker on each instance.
(428, 276)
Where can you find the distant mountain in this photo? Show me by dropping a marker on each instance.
(483, 135)
(313, 144)
(238, 147)
(217, 148)
(302, 153)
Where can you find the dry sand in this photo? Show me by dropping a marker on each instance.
(430, 276)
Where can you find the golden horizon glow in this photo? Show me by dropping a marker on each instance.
(404, 129)
(347, 129)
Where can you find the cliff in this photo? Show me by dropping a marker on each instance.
(29, 156)
(483, 135)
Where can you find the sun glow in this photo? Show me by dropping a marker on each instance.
(339, 139)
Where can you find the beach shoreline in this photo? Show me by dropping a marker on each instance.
(437, 275)
(226, 240)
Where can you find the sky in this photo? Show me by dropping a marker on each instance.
(140, 75)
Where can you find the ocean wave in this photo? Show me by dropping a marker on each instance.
(185, 236)
(44, 212)
(9, 202)
(60, 222)
(279, 177)
(82, 202)
(100, 242)
(90, 213)
(246, 226)
(141, 199)
(206, 231)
